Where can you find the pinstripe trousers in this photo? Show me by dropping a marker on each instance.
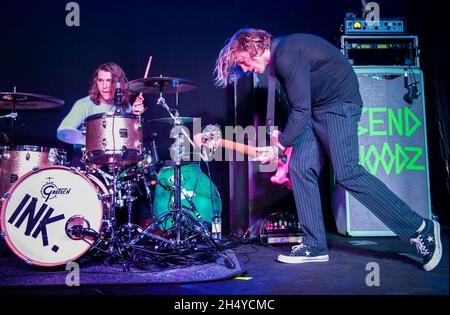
(332, 132)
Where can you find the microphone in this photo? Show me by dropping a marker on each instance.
(405, 78)
(78, 232)
(90, 233)
(412, 91)
(118, 97)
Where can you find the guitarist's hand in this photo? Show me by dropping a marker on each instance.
(266, 154)
(275, 134)
(198, 140)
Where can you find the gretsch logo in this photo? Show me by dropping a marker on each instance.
(50, 190)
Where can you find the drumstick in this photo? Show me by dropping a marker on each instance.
(146, 70)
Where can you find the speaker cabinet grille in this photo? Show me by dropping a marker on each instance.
(392, 146)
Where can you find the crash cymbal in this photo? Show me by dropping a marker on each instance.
(168, 120)
(27, 101)
(156, 85)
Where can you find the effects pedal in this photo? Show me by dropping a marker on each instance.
(280, 228)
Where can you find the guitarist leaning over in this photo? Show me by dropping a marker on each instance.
(323, 92)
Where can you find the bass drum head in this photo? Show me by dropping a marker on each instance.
(37, 209)
(195, 184)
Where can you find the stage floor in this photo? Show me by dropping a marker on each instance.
(349, 272)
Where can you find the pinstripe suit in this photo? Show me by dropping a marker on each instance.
(332, 132)
(323, 92)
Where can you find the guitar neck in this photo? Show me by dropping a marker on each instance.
(238, 147)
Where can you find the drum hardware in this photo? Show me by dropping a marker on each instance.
(115, 237)
(26, 101)
(185, 227)
(14, 101)
(92, 217)
(166, 120)
(11, 115)
(160, 85)
(78, 228)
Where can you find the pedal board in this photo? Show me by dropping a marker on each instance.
(284, 236)
(281, 228)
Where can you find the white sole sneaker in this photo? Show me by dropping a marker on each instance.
(301, 259)
(434, 261)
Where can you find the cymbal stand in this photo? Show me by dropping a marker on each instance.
(13, 115)
(179, 216)
(128, 228)
(117, 236)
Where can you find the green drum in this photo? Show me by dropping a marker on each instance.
(195, 184)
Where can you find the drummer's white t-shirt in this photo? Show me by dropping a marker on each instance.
(70, 129)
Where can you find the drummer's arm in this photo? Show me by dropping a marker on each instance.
(68, 129)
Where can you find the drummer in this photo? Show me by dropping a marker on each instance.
(100, 100)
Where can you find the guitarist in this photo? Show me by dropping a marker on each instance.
(323, 92)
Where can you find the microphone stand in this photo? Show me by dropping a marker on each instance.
(13, 115)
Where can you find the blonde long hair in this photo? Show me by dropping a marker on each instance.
(251, 40)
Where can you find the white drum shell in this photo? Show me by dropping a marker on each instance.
(81, 198)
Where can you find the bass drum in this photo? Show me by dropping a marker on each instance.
(43, 208)
(195, 184)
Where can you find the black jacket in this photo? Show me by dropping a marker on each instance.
(315, 75)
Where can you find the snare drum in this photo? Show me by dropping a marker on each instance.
(18, 160)
(43, 208)
(113, 139)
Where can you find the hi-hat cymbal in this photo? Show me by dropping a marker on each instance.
(27, 101)
(168, 120)
(156, 85)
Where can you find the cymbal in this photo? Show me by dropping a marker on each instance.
(168, 120)
(27, 101)
(156, 85)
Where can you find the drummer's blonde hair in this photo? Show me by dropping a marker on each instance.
(251, 40)
(117, 74)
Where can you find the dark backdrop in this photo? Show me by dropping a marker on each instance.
(40, 54)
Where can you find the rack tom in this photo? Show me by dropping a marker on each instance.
(112, 139)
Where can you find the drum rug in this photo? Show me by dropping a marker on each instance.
(14, 272)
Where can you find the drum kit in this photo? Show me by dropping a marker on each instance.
(52, 213)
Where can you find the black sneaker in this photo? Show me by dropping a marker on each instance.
(304, 253)
(428, 244)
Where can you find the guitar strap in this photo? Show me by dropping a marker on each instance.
(270, 116)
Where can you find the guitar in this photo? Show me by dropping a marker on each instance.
(211, 138)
